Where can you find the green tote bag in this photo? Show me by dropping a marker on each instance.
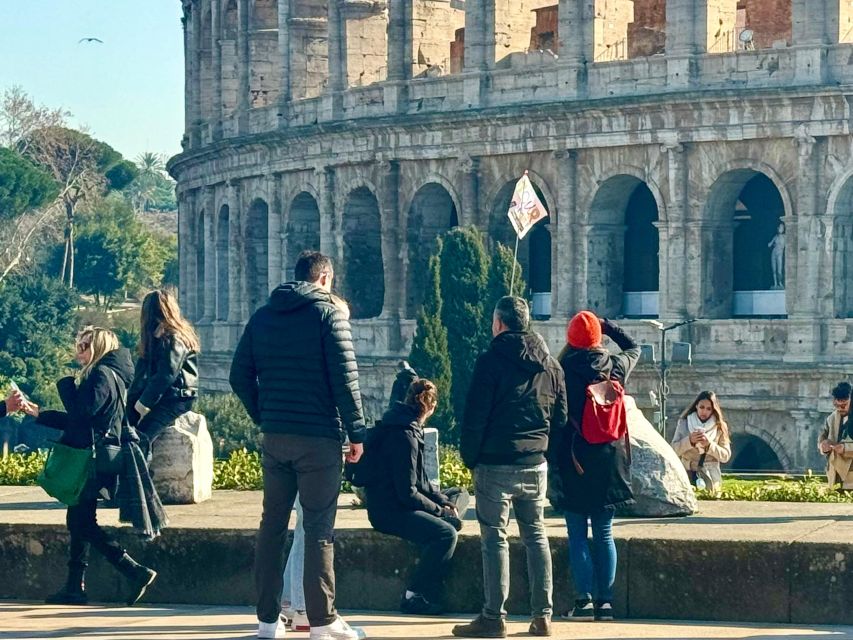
(66, 472)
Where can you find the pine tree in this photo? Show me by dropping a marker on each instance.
(500, 274)
(464, 275)
(430, 355)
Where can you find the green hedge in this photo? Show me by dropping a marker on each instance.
(21, 469)
(811, 488)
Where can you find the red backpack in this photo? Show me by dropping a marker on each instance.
(604, 418)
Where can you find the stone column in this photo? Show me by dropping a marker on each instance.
(332, 108)
(209, 284)
(284, 96)
(676, 282)
(399, 55)
(805, 251)
(331, 234)
(235, 253)
(815, 24)
(685, 20)
(563, 258)
(216, 52)
(275, 232)
(394, 304)
(479, 49)
(580, 231)
(576, 28)
(184, 235)
(244, 61)
(470, 169)
(192, 87)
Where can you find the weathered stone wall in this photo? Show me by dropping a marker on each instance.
(770, 20)
(365, 42)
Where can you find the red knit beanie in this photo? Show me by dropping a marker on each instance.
(584, 331)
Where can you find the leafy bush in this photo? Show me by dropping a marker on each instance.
(452, 472)
(241, 471)
(230, 426)
(808, 489)
(21, 469)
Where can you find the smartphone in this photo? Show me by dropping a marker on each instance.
(17, 389)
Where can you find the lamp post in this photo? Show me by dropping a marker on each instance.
(663, 387)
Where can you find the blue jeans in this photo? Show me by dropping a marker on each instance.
(593, 566)
(293, 594)
(497, 487)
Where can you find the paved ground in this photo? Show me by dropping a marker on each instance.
(26, 620)
(763, 521)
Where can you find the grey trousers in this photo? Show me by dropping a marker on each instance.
(312, 467)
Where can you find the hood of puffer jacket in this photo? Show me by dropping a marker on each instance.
(120, 361)
(291, 296)
(523, 349)
(587, 364)
(401, 416)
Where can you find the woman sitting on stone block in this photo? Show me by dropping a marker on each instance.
(401, 501)
(165, 384)
(702, 441)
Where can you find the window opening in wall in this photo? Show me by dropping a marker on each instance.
(516, 31)
(303, 229)
(362, 279)
(434, 25)
(610, 29)
(230, 62)
(646, 33)
(748, 25)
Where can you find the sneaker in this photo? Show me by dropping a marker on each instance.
(417, 605)
(299, 621)
(271, 629)
(481, 627)
(286, 615)
(583, 611)
(540, 626)
(338, 630)
(604, 612)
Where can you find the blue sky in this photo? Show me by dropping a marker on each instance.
(127, 91)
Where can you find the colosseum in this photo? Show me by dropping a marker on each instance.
(681, 146)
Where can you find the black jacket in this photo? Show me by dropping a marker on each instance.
(397, 448)
(294, 368)
(93, 406)
(606, 481)
(171, 373)
(517, 396)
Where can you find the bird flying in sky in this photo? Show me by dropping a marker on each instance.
(90, 40)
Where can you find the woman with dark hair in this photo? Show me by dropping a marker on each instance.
(93, 408)
(591, 479)
(702, 440)
(401, 501)
(165, 382)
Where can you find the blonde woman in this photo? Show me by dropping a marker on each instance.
(165, 384)
(93, 407)
(702, 440)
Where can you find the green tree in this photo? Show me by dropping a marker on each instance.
(23, 185)
(152, 190)
(464, 272)
(500, 275)
(430, 354)
(37, 322)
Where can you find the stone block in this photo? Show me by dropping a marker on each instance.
(431, 454)
(821, 585)
(182, 463)
(660, 483)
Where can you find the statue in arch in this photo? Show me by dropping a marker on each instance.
(777, 257)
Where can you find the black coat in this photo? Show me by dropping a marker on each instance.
(517, 396)
(93, 406)
(170, 373)
(294, 368)
(606, 481)
(396, 454)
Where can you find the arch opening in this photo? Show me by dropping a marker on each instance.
(303, 229)
(223, 268)
(842, 252)
(752, 453)
(199, 264)
(363, 277)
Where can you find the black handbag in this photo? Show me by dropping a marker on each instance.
(108, 455)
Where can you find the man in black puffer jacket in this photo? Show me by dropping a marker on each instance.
(295, 371)
(517, 396)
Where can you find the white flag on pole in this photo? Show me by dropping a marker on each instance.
(526, 209)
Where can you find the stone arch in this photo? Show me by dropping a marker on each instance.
(622, 270)
(363, 281)
(223, 264)
(756, 444)
(431, 213)
(200, 275)
(744, 207)
(500, 230)
(257, 254)
(303, 228)
(840, 207)
(438, 179)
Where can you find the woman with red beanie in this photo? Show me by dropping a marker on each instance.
(591, 497)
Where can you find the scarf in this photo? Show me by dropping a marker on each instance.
(138, 501)
(710, 428)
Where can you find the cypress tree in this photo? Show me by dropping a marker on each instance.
(464, 275)
(500, 274)
(430, 355)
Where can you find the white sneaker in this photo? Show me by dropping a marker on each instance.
(271, 629)
(338, 630)
(299, 621)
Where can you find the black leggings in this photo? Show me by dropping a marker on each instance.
(82, 523)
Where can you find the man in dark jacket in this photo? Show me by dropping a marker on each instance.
(295, 371)
(517, 396)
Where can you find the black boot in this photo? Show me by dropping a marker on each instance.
(139, 577)
(74, 591)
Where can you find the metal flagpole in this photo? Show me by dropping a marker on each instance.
(514, 262)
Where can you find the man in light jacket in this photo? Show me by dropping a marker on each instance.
(836, 439)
